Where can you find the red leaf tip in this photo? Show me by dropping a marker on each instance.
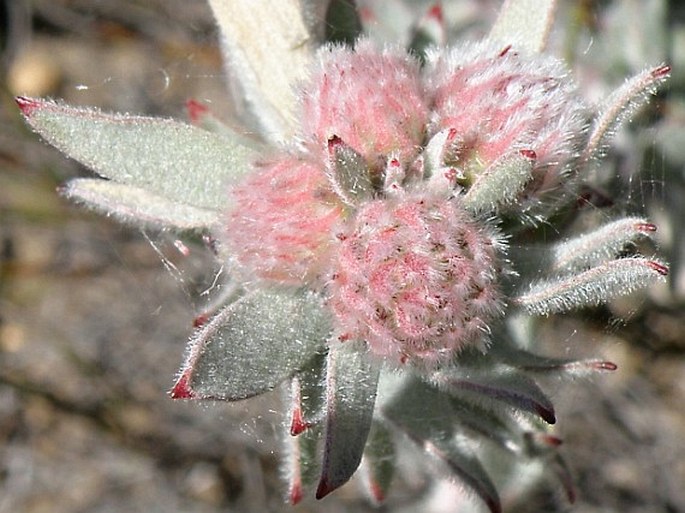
(529, 154)
(645, 227)
(436, 13)
(182, 388)
(296, 493)
(660, 268)
(547, 414)
(196, 110)
(604, 366)
(298, 424)
(324, 488)
(376, 491)
(27, 105)
(661, 71)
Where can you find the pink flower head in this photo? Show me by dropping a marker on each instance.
(373, 100)
(500, 102)
(415, 277)
(281, 223)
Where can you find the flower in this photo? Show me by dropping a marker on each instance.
(368, 235)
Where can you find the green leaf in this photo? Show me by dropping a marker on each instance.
(620, 107)
(379, 462)
(267, 46)
(427, 417)
(179, 162)
(524, 360)
(525, 24)
(308, 395)
(135, 206)
(592, 287)
(301, 458)
(252, 345)
(351, 385)
(490, 387)
(600, 245)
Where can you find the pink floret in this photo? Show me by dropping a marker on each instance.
(416, 278)
(279, 228)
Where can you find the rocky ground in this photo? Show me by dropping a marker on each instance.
(94, 317)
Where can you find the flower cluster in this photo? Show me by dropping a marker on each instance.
(369, 234)
(382, 208)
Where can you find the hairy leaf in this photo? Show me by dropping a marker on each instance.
(136, 206)
(179, 162)
(621, 106)
(592, 287)
(525, 24)
(426, 416)
(267, 47)
(490, 387)
(379, 462)
(351, 385)
(252, 345)
(600, 245)
(500, 183)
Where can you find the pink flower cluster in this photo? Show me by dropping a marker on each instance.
(407, 268)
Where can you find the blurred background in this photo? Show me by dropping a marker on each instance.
(94, 317)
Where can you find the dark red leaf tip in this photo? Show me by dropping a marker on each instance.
(296, 493)
(196, 110)
(298, 424)
(200, 320)
(493, 504)
(660, 268)
(182, 388)
(604, 366)
(333, 142)
(661, 71)
(27, 105)
(645, 227)
(324, 488)
(505, 51)
(547, 414)
(529, 154)
(436, 13)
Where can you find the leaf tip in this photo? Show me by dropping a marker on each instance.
(27, 105)
(181, 389)
(658, 267)
(604, 366)
(529, 154)
(661, 71)
(546, 413)
(196, 110)
(296, 494)
(376, 491)
(324, 488)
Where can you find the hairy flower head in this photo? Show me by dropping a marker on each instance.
(499, 101)
(416, 278)
(371, 99)
(281, 226)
